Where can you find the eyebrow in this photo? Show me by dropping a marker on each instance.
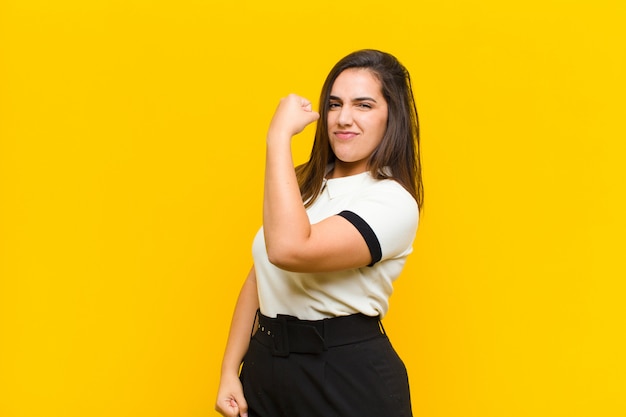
(355, 99)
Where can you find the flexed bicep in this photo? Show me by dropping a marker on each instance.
(333, 244)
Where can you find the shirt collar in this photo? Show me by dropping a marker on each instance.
(336, 187)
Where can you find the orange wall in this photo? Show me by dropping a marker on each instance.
(131, 161)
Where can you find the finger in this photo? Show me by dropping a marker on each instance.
(243, 406)
(227, 412)
(305, 104)
(228, 408)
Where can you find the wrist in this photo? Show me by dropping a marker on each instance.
(229, 371)
(278, 136)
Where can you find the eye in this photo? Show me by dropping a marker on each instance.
(334, 105)
(364, 105)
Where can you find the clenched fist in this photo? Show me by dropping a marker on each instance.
(230, 400)
(292, 115)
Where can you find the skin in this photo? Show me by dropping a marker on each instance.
(230, 399)
(357, 120)
(356, 124)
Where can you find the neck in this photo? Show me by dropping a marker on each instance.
(346, 169)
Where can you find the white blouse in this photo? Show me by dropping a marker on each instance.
(385, 214)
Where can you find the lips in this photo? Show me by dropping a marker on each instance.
(345, 134)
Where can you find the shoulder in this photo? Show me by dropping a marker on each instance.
(391, 213)
(391, 194)
(385, 204)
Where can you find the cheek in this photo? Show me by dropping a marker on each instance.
(330, 120)
(381, 126)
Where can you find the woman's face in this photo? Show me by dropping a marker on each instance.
(357, 119)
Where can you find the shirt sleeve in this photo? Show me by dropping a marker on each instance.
(387, 217)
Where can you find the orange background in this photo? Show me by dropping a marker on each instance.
(131, 160)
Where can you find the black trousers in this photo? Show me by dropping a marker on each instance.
(337, 367)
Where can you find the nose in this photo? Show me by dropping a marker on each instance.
(345, 116)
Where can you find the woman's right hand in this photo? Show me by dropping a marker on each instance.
(292, 115)
(230, 400)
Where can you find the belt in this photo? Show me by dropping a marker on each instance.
(287, 334)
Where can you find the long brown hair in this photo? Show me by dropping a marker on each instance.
(398, 155)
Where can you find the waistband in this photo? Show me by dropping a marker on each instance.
(287, 334)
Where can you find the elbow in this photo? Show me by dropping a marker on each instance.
(283, 258)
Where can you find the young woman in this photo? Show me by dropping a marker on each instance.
(336, 233)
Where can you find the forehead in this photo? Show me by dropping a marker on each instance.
(357, 82)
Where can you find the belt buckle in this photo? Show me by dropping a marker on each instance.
(280, 336)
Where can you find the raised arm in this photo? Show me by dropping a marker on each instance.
(292, 242)
(230, 399)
